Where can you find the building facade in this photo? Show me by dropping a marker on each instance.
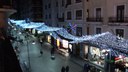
(65, 13)
(108, 15)
(90, 17)
(50, 10)
(30, 9)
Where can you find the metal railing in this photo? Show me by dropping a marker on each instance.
(61, 19)
(118, 19)
(94, 19)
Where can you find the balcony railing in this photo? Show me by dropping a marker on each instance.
(117, 19)
(61, 19)
(94, 19)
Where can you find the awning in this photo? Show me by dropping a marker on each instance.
(63, 33)
(106, 41)
(31, 25)
(44, 28)
(17, 22)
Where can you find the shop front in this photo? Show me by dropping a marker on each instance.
(63, 47)
(85, 49)
(121, 64)
(96, 57)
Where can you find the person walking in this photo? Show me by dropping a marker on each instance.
(63, 69)
(52, 51)
(41, 53)
(86, 67)
(67, 68)
(41, 42)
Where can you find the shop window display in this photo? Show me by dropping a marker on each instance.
(86, 52)
(98, 55)
(121, 64)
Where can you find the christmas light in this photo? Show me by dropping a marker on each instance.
(103, 41)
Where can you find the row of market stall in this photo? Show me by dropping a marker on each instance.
(98, 49)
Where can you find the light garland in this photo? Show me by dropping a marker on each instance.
(44, 28)
(53, 34)
(104, 40)
(67, 35)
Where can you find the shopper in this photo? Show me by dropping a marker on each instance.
(62, 69)
(67, 68)
(41, 53)
(86, 67)
(52, 51)
(41, 42)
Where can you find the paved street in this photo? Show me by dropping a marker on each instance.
(44, 63)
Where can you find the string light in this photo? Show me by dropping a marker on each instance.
(104, 41)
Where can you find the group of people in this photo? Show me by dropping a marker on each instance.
(65, 69)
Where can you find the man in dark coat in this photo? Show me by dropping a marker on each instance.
(67, 68)
(63, 69)
(86, 67)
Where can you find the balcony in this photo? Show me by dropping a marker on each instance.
(118, 20)
(6, 4)
(94, 19)
(61, 19)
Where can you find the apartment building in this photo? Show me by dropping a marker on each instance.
(74, 14)
(31, 9)
(107, 15)
(65, 13)
(50, 10)
(90, 17)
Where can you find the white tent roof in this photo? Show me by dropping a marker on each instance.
(104, 40)
(67, 35)
(31, 25)
(18, 22)
(47, 28)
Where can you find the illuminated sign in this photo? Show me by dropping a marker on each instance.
(65, 43)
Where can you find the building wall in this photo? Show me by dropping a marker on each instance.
(31, 9)
(54, 10)
(73, 7)
(50, 13)
(108, 9)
